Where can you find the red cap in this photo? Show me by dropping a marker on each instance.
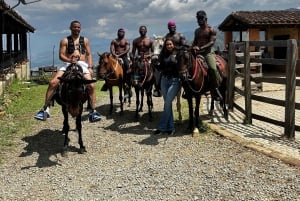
(171, 23)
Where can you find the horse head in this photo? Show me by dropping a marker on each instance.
(157, 46)
(184, 62)
(72, 89)
(109, 66)
(142, 70)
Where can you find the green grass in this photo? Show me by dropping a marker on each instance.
(20, 104)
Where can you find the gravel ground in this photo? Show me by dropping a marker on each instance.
(125, 162)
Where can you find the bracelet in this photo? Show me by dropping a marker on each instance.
(90, 67)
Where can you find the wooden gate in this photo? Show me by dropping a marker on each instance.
(239, 54)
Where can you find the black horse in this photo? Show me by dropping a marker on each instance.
(142, 81)
(71, 95)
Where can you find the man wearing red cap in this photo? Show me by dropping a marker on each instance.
(179, 41)
(178, 38)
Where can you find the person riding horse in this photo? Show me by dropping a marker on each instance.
(141, 62)
(70, 47)
(119, 48)
(204, 39)
(179, 41)
(142, 44)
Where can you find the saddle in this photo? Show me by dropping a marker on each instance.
(221, 67)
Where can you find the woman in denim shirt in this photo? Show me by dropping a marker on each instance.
(170, 85)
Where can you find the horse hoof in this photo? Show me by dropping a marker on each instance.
(195, 132)
(82, 150)
(64, 153)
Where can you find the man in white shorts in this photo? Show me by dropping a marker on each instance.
(73, 49)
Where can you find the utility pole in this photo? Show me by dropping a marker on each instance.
(53, 56)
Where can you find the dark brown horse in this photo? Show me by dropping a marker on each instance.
(143, 81)
(111, 71)
(71, 95)
(194, 73)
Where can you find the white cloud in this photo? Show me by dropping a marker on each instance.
(100, 19)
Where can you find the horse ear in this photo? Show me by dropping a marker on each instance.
(99, 54)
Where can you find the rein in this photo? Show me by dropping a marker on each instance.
(146, 66)
(196, 70)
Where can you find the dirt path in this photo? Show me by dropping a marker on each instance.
(125, 162)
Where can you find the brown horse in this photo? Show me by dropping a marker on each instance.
(194, 74)
(143, 81)
(111, 71)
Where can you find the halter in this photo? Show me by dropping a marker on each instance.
(197, 68)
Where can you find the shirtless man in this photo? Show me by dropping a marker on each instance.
(178, 38)
(142, 44)
(179, 41)
(204, 39)
(119, 48)
(73, 48)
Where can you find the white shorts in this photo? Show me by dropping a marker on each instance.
(83, 64)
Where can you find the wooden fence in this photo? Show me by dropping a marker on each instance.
(290, 82)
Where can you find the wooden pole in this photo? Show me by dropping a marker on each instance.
(247, 85)
(292, 55)
(231, 77)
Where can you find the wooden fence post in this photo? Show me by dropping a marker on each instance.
(292, 55)
(247, 85)
(231, 75)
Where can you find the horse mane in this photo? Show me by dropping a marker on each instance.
(73, 72)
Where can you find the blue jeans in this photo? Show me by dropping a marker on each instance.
(169, 89)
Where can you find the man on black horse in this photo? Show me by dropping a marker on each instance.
(179, 41)
(204, 39)
(119, 48)
(72, 46)
(142, 44)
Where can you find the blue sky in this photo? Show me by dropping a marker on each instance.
(101, 19)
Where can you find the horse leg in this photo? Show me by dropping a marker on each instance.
(198, 121)
(212, 105)
(178, 106)
(79, 130)
(142, 100)
(66, 128)
(223, 100)
(121, 98)
(137, 102)
(191, 115)
(111, 99)
(150, 104)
